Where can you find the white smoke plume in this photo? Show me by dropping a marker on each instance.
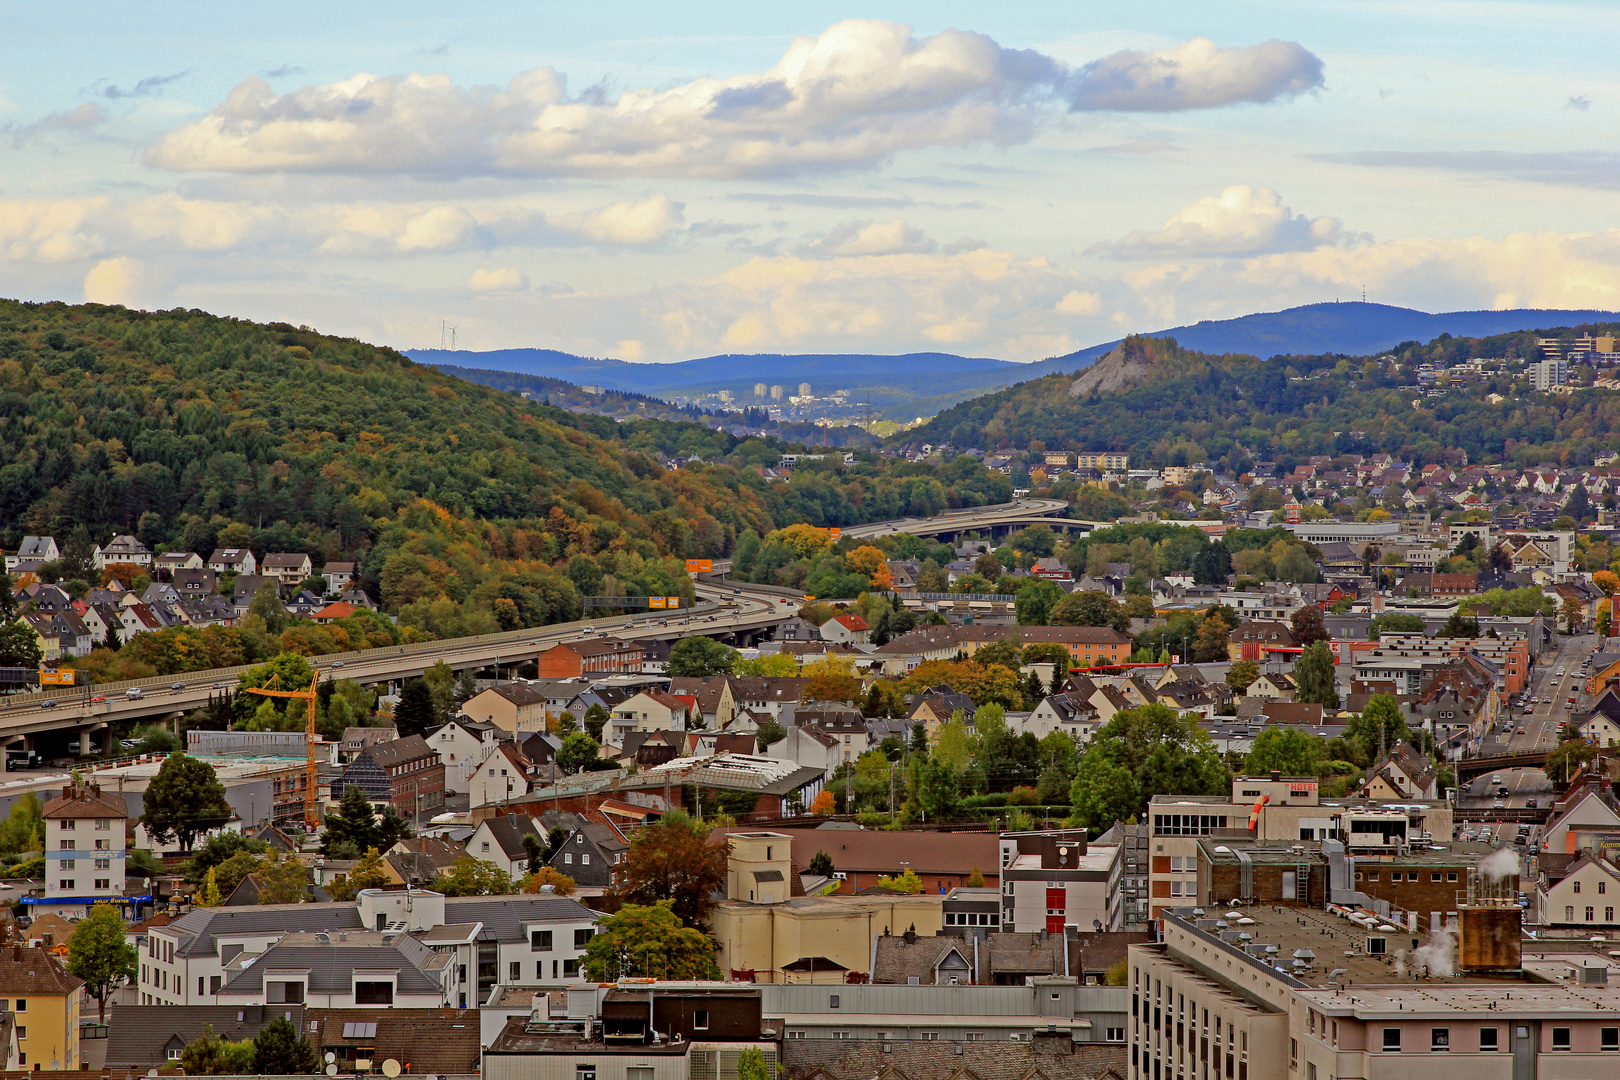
(1438, 959)
(1501, 863)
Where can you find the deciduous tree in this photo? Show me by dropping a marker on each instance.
(649, 941)
(1313, 676)
(100, 954)
(700, 657)
(184, 801)
(676, 860)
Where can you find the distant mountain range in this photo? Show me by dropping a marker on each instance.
(909, 384)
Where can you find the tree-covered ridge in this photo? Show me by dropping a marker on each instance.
(1237, 408)
(466, 508)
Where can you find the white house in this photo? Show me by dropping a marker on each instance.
(34, 552)
(1063, 712)
(338, 575)
(123, 549)
(85, 850)
(287, 568)
(848, 628)
(1586, 895)
(648, 710)
(502, 773)
(234, 561)
(462, 745)
(499, 840)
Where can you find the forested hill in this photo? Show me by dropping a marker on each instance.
(1150, 395)
(193, 431)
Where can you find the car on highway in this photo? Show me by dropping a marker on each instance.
(1498, 805)
(47, 704)
(1520, 731)
(337, 663)
(99, 698)
(177, 686)
(1497, 779)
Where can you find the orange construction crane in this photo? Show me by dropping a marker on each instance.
(312, 819)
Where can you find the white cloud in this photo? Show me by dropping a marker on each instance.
(853, 96)
(1079, 303)
(64, 230)
(1195, 75)
(981, 300)
(1239, 220)
(114, 281)
(870, 238)
(504, 279)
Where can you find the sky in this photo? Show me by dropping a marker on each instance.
(655, 181)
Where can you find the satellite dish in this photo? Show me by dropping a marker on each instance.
(331, 1070)
(390, 1068)
(330, 1057)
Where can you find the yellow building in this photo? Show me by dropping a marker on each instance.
(762, 928)
(44, 1002)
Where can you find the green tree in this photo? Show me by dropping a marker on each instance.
(415, 714)
(24, 827)
(579, 753)
(468, 876)
(700, 657)
(352, 828)
(906, 882)
(1242, 675)
(1308, 626)
(1314, 676)
(648, 941)
(210, 1055)
(219, 847)
(441, 684)
(1090, 608)
(100, 954)
(939, 789)
(1283, 749)
(1035, 600)
(769, 732)
(19, 646)
(535, 850)
(1565, 759)
(1103, 792)
(821, 864)
(1379, 727)
(184, 801)
(596, 718)
(282, 880)
(751, 1065)
(209, 895)
(368, 873)
(279, 1049)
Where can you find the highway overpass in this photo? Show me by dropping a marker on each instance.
(1000, 519)
(734, 611)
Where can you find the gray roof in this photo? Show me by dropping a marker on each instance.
(199, 928)
(331, 963)
(410, 748)
(140, 1036)
(504, 916)
(508, 831)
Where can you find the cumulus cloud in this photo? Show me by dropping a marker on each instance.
(114, 281)
(1240, 220)
(853, 96)
(60, 230)
(869, 238)
(502, 280)
(983, 299)
(1196, 75)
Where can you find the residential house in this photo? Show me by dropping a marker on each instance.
(501, 774)
(233, 561)
(187, 961)
(1272, 686)
(43, 1001)
(289, 568)
(433, 1042)
(1602, 725)
(143, 1037)
(346, 969)
(1404, 774)
(650, 710)
(589, 853)
(166, 564)
(190, 581)
(339, 576)
(122, 549)
(845, 629)
(512, 707)
(35, 552)
(406, 774)
(1256, 638)
(499, 840)
(1585, 896)
(461, 744)
(85, 850)
(1063, 712)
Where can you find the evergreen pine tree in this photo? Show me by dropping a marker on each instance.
(415, 714)
(352, 826)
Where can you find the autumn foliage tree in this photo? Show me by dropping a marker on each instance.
(824, 803)
(678, 860)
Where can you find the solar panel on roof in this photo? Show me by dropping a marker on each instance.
(360, 1031)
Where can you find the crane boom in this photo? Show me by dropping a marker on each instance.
(312, 817)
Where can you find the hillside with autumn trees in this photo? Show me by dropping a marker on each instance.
(467, 509)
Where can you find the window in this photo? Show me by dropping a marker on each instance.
(1114, 1034)
(1611, 1038)
(67, 845)
(1560, 1039)
(1392, 1038)
(486, 845)
(930, 1036)
(103, 864)
(515, 971)
(106, 845)
(570, 968)
(1569, 913)
(1577, 888)
(584, 1072)
(173, 1053)
(70, 824)
(1439, 1040)
(582, 937)
(1588, 914)
(639, 1072)
(568, 858)
(103, 884)
(832, 1001)
(22, 1032)
(1602, 887)
(213, 984)
(66, 885)
(372, 993)
(1487, 1039)
(700, 1019)
(540, 940)
(288, 993)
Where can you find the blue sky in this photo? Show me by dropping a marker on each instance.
(661, 181)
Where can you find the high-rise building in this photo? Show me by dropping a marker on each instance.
(725, 395)
(759, 389)
(804, 389)
(776, 393)
(1548, 373)
(85, 850)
